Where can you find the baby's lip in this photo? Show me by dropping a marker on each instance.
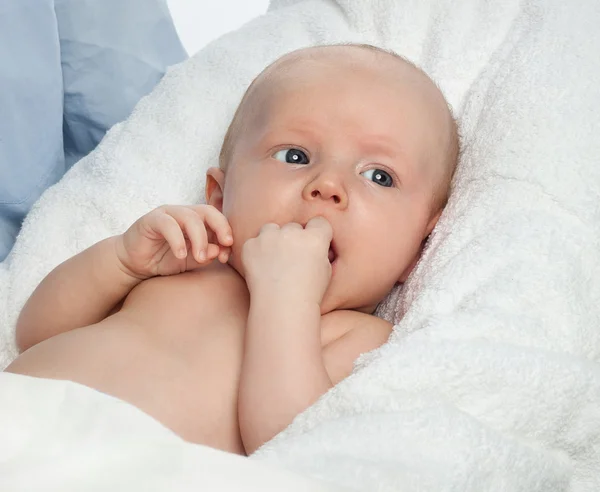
(332, 253)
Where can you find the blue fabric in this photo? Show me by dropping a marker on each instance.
(69, 70)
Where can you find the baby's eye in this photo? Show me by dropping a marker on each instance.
(291, 156)
(379, 176)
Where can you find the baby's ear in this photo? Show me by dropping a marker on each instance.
(215, 181)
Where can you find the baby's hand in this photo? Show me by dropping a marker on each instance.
(173, 239)
(289, 261)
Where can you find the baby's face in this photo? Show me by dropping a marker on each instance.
(353, 145)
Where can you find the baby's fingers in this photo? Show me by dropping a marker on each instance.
(217, 222)
(215, 251)
(224, 254)
(170, 230)
(194, 229)
(319, 225)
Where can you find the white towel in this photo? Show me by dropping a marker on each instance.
(60, 436)
(491, 379)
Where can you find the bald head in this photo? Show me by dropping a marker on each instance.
(357, 60)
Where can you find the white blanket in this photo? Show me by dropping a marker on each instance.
(491, 380)
(58, 436)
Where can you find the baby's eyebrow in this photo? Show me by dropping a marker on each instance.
(395, 155)
(383, 145)
(302, 130)
(288, 135)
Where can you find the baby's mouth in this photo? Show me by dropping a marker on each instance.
(331, 255)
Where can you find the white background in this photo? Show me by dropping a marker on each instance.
(200, 21)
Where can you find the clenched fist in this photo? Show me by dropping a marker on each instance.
(290, 260)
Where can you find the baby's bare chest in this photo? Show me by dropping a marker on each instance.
(199, 314)
(190, 312)
(189, 331)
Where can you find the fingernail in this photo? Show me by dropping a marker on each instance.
(202, 255)
(182, 253)
(229, 237)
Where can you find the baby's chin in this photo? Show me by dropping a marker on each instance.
(331, 301)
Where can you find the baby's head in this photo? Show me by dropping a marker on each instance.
(351, 133)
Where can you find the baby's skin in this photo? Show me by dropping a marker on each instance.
(224, 321)
(175, 346)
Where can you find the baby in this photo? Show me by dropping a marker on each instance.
(224, 321)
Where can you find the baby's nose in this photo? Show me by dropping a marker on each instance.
(327, 188)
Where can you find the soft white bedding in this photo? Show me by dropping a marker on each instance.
(491, 379)
(61, 436)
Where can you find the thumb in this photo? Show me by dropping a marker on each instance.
(320, 225)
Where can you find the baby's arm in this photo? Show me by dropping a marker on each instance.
(283, 371)
(84, 289)
(79, 292)
(286, 368)
(288, 363)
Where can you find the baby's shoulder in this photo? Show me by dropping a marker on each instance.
(347, 334)
(338, 324)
